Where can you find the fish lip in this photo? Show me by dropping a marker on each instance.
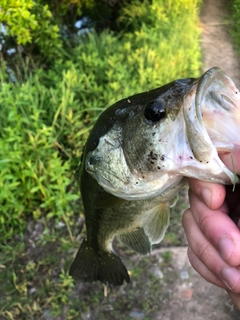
(223, 98)
(203, 84)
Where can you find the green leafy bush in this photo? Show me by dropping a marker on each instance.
(30, 21)
(33, 178)
(45, 120)
(40, 29)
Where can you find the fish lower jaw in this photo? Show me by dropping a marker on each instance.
(210, 168)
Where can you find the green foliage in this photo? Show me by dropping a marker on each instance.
(45, 120)
(42, 28)
(154, 54)
(167, 257)
(18, 18)
(31, 22)
(235, 27)
(33, 178)
(35, 284)
(31, 288)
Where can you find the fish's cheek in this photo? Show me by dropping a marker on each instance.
(134, 151)
(133, 143)
(145, 152)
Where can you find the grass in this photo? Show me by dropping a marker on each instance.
(44, 122)
(235, 27)
(35, 284)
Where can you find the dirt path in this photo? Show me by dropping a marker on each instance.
(217, 47)
(194, 298)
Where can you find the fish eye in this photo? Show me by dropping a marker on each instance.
(155, 111)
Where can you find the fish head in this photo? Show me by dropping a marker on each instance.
(143, 146)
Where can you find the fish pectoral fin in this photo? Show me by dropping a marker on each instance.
(136, 240)
(92, 265)
(156, 222)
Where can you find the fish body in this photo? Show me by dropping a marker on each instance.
(137, 158)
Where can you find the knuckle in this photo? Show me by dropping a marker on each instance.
(205, 223)
(205, 251)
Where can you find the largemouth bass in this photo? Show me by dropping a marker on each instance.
(137, 158)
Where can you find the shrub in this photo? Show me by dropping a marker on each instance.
(45, 120)
(40, 29)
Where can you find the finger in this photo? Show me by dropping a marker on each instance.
(203, 270)
(210, 193)
(208, 255)
(218, 228)
(213, 194)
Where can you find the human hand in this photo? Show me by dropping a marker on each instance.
(212, 227)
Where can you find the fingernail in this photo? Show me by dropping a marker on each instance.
(226, 247)
(231, 277)
(207, 196)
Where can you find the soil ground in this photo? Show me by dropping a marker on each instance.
(193, 298)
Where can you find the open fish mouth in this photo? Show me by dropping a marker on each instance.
(218, 104)
(213, 119)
